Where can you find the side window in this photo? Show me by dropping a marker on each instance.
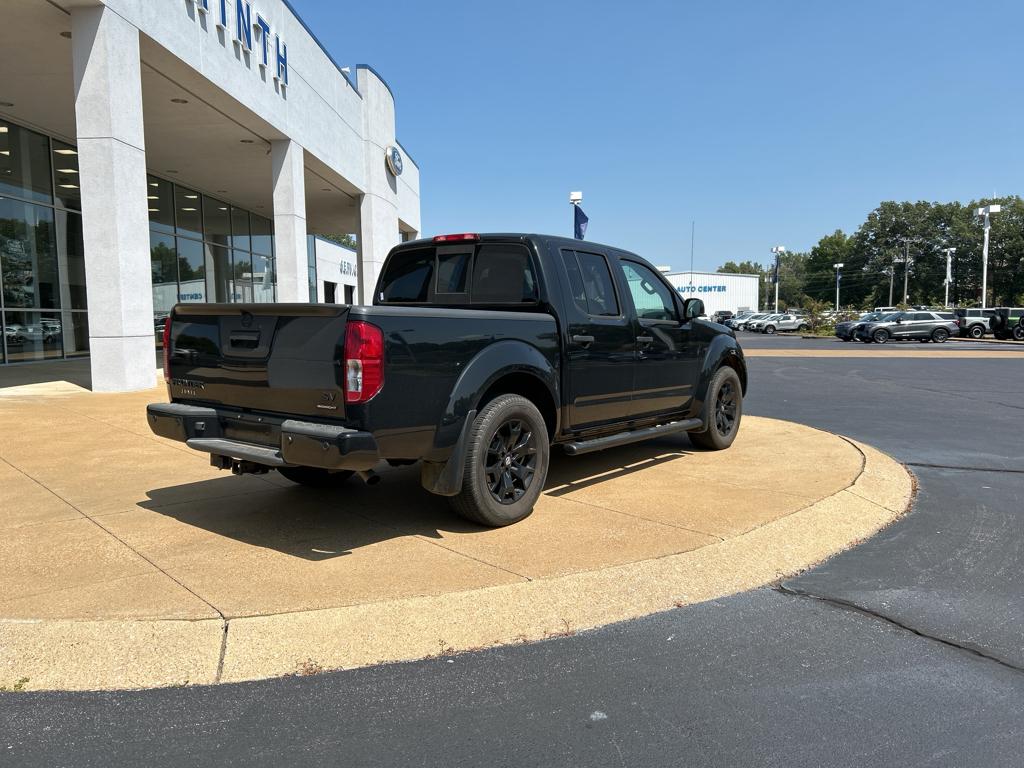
(597, 285)
(651, 297)
(924, 316)
(503, 274)
(572, 269)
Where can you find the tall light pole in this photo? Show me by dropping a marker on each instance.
(949, 272)
(778, 250)
(906, 270)
(837, 267)
(983, 213)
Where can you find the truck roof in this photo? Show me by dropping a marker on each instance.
(564, 242)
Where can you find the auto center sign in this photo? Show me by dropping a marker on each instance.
(691, 288)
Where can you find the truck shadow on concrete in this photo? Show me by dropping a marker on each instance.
(319, 524)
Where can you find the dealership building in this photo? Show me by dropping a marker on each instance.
(719, 291)
(163, 151)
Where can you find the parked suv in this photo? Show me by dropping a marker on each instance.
(974, 322)
(904, 326)
(744, 324)
(847, 330)
(734, 321)
(1006, 323)
(757, 323)
(721, 316)
(785, 323)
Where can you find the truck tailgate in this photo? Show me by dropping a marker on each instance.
(276, 358)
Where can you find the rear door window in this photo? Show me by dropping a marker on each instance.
(590, 281)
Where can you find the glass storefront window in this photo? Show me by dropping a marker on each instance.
(240, 228)
(188, 212)
(163, 259)
(161, 204)
(65, 176)
(216, 220)
(242, 277)
(262, 235)
(218, 268)
(71, 260)
(191, 271)
(24, 164)
(28, 257)
(76, 334)
(32, 335)
(262, 279)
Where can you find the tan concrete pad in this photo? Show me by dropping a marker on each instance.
(111, 523)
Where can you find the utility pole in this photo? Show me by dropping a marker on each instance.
(778, 250)
(949, 272)
(837, 268)
(983, 213)
(693, 229)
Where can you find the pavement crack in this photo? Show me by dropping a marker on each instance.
(851, 606)
(223, 652)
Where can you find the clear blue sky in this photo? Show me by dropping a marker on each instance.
(765, 122)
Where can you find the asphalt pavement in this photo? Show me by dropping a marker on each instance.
(907, 650)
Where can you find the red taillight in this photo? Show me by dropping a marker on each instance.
(456, 238)
(364, 361)
(167, 349)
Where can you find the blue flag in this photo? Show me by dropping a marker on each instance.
(579, 223)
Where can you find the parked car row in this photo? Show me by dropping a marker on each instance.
(767, 322)
(881, 328)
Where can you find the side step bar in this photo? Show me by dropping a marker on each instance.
(576, 448)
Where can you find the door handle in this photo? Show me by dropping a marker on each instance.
(645, 340)
(583, 341)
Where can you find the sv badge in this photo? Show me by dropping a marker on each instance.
(327, 400)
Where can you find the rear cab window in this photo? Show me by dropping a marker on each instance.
(590, 282)
(460, 275)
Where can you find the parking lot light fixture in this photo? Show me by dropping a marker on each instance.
(984, 213)
(778, 250)
(838, 268)
(949, 272)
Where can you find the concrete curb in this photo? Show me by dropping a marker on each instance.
(81, 655)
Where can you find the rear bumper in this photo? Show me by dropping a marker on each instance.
(274, 442)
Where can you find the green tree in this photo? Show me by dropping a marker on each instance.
(741, 268)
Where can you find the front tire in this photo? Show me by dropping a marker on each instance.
(315, 477)
(506, 463)
(724, 411)
(769, 329)
(880, 336)
(976, 331)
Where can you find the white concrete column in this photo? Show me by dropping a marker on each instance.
(115, 220)
(290, 221)
(378, 234)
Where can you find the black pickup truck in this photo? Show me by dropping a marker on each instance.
(478, 354)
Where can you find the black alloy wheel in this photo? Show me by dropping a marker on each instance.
(1018, 332)
(939, 335)
(510, 461)
(725, 409)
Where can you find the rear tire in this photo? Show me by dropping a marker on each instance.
(1018, 332)
(724, 411)
(939, 335)
(506, 465)
(804, 328)
(315, 477)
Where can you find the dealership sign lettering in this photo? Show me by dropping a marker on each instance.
(250, 31)
(691, 288)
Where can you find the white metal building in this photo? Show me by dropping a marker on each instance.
(156, 151)
(719, 291)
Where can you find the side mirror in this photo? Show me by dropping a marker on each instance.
(899, 321)
(692, 308)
